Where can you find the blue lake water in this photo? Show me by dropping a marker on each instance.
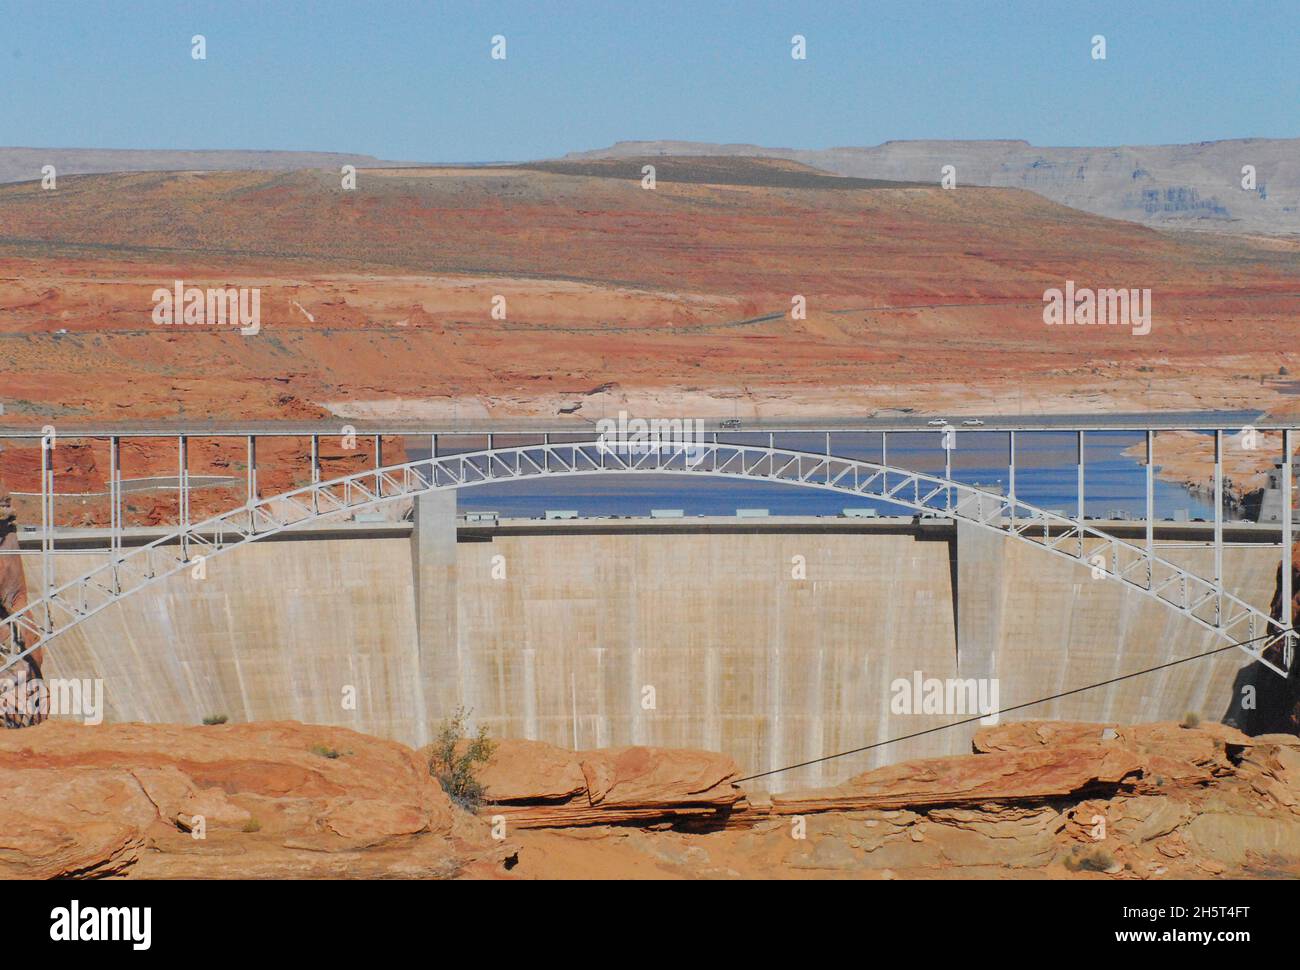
(1046, 476)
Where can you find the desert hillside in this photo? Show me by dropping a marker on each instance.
(1196, 186)
(26, 164)
(378, 301)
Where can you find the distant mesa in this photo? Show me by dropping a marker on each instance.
(1196, 186)
(719, 170)
(24, 164)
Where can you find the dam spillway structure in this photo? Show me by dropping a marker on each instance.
(263, 595)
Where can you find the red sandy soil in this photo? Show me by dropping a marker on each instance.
(648, 295)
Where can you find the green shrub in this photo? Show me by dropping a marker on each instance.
(325, 752)
(252, 825)
(1191, 719)
(212, 719)
(455, 759)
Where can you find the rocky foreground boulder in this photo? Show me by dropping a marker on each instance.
(1058, 798)
(536, 785)
(275, 799)
(13, 598)
(287, 800)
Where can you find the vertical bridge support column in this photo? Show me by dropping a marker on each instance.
(1218, 525)
(1288, 603)
(1151, 505)
(433, 571)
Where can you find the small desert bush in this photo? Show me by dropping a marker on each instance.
(252, 825)
(455, 760)
(325, 752)
(1191, 720)
(1090, 860)
(212, 719)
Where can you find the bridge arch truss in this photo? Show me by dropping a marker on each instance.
(129, 570)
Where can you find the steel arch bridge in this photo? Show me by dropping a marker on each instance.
(1137, 567)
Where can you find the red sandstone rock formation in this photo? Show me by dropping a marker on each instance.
(1046, 798)
(281, 799)
(1276, 606)
(1262, 702)
(537, 785)
(291, 800)
(412, 335)
(13, 597)
(1280, 702)
(13, 587)
(1019, 776)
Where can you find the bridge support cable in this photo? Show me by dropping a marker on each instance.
(980, 717)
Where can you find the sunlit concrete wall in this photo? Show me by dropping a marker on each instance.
(274, 630)
(741, 656)
(776, 647)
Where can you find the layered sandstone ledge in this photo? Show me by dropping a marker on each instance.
(285, 800)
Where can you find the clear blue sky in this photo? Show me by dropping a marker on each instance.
(413, 80)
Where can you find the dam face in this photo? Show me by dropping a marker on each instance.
(776, 641)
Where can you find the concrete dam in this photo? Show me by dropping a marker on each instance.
(776, 641)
